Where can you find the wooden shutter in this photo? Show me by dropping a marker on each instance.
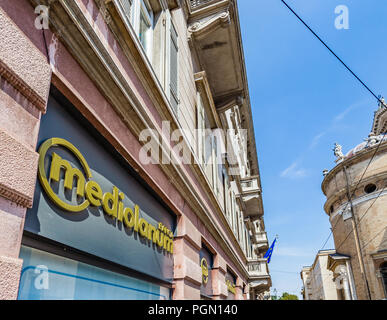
(127, 5)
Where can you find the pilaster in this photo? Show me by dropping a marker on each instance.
(25, 78)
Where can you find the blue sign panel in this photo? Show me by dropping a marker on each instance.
(87, 199)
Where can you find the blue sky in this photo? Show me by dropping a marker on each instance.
(304, 101)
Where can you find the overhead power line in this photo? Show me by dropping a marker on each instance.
(337, 57)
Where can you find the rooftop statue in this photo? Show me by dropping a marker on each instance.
(338, 152)
(372, 139)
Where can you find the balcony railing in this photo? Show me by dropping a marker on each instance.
(251, 196)
(258, 268)
(250, 185)
(260, 238)
(199, 3)
(260, 242)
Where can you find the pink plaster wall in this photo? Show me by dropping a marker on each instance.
(66, 68)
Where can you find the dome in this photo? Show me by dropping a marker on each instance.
(371, 141)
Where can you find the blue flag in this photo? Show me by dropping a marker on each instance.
(270, 251)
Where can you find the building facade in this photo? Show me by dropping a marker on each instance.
(356, 204)
(129, 167)
(319, 282)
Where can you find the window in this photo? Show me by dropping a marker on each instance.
(369, 188)
(127, 6)
(145, 28)
(173, 69)
(46, 276)
(140, 15)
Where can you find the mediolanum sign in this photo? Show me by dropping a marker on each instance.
(91, 192)
(89, 200)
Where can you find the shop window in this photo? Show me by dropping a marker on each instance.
(48, 276)
(369, 188)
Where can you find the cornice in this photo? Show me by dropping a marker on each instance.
(358, 157)
(205, 26)
(22, 87)
(81, 39)
(376, 129)
(355, 202)
(15, 196)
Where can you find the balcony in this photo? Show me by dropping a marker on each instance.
(214, 34)
(259, 277)
(260, 242)
(251, 196)
(197, 4)
(258, 267)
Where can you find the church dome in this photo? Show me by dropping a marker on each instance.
(371, 141)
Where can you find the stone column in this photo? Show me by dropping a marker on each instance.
(187, 270)
(25, 78)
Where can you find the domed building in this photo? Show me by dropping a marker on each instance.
(356, 192)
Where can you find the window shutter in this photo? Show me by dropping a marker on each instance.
(127, 5)
(174, 70)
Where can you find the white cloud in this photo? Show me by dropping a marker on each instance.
(344, 113)
(293, 171)
(316, 139)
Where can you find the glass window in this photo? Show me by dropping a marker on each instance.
(145, 27)
(48, 276)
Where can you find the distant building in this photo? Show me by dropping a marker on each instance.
(356, 204)
(318, 281)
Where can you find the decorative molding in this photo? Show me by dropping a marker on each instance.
(356, 202)
(15, 196)
(358, 157)
(207, 25)
(22, 87)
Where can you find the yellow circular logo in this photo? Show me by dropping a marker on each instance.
(70, 172)
(204, 266)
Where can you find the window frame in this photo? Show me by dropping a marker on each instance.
(141, 8)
